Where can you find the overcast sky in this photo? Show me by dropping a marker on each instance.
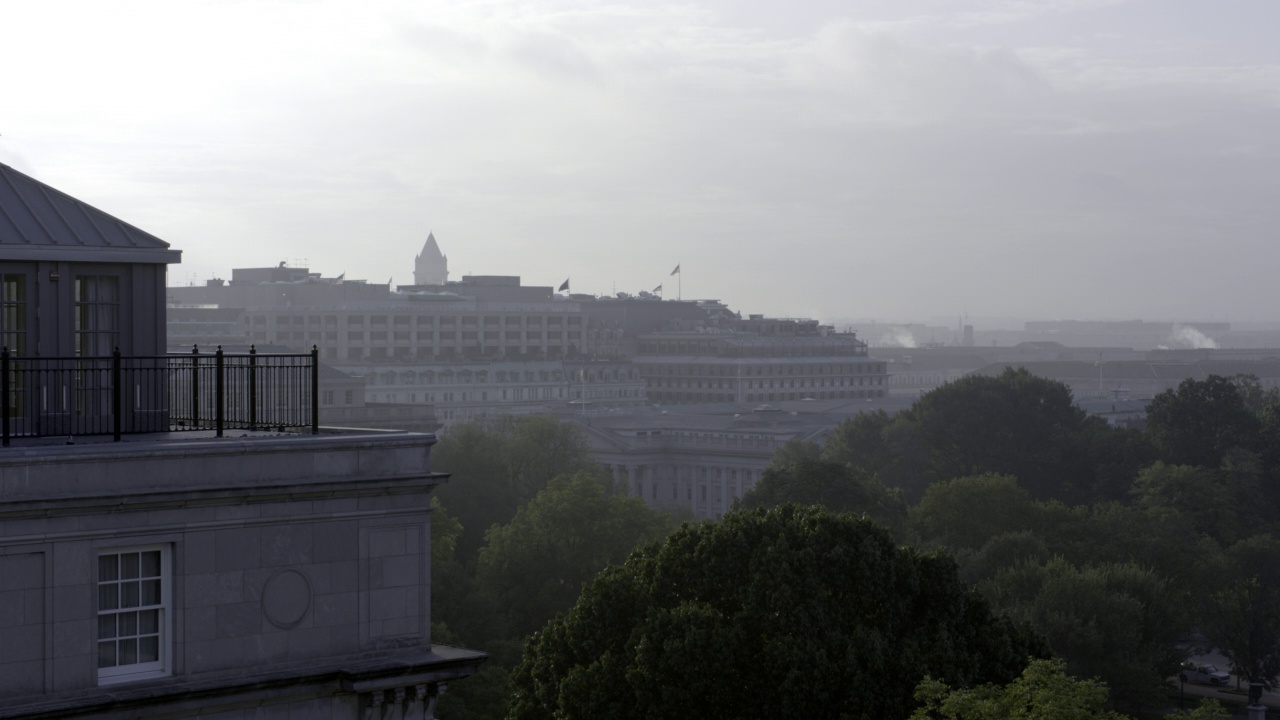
(889, 159)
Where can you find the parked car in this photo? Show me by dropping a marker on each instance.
(1203, 674)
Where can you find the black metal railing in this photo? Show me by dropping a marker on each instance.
(119, 395)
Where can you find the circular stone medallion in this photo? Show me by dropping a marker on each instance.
(286, 598)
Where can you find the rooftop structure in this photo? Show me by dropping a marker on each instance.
(249, 566)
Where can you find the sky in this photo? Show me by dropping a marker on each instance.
(889, 159)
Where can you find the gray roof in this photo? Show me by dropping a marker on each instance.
(38, 222)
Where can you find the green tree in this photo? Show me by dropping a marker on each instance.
(1200, 421)
(1044, 691)
(966, 512)
(787, 612)
(1223, 504)
(835, 486)
(1243, 613)
(498, 466)
(536, 565)
(1120, 623)
(1014, 424)
(860, 443)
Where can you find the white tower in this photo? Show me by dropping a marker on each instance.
(430, 267)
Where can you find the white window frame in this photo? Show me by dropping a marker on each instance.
(162, 666)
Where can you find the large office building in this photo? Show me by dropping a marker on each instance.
(758, 360)
(178, 535)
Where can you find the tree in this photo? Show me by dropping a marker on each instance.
(860, 443)
(966, 512)
(1014, 424)
(1200, 421)
(787, 612)
(835, 486)
(1043, 691)
(498, 466)
(1243, 616)
(1118, 622)
(1222, 504)
(536, 565)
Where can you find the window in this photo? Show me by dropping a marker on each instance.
(97, 315)
(13, 313)
(133, 614)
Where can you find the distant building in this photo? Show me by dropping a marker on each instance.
(251, 565)
(748, 367)
(431, 267)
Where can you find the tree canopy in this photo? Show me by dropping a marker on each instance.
(787, 612)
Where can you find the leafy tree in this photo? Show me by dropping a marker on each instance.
(1120, 623)
(1223, 504)
(498, 466)
(536, 565)
(1200, 421)
(835, 486)
(1043, 691)
(787, 612)
(860, 443)
(794, 451)
(1243, 616)
(1015, 424)
(966, 512)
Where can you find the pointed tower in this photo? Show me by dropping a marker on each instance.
(430, 267)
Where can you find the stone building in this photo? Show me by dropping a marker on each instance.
(239, 569)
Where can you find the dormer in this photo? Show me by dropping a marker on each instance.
(75, 281)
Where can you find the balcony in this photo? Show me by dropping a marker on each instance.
(121, 395)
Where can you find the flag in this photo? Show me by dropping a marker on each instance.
(340, 279)
(564, 285)
(676, 271)
(658, 289)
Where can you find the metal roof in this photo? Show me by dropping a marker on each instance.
(38, 222)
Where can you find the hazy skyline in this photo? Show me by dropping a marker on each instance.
(891, 159)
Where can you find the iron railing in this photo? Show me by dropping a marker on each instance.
(120, 395)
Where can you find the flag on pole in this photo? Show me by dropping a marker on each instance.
(677, 270)
(340, 278)
(564, 285)
(658, 289)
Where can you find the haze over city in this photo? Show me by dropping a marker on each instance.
(899, 160)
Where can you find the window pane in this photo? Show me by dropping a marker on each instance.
(148, 622)
(107, 599)
(106, 654)
(148, 649)
(150, 592)
(128, 652)
(151, 564)
(128, 624)
(129, 594)
(107, 567)
(106, 627)
(129, 565)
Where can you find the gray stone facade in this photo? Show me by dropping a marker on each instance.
(297, 575)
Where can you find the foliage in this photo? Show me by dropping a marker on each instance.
(965, 512)
(1218, 503)
(497, 467)
(787, 612)
(1118, 622)
(1200, 421)
(536, 565)
(1014, 424)
(1243, 615)
(1043, 691)
(834, 486)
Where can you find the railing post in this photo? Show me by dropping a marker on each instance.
(195, 387)
(219, 392)
(253, 387)
(117, 413)
(315, 390)
(4, 392)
